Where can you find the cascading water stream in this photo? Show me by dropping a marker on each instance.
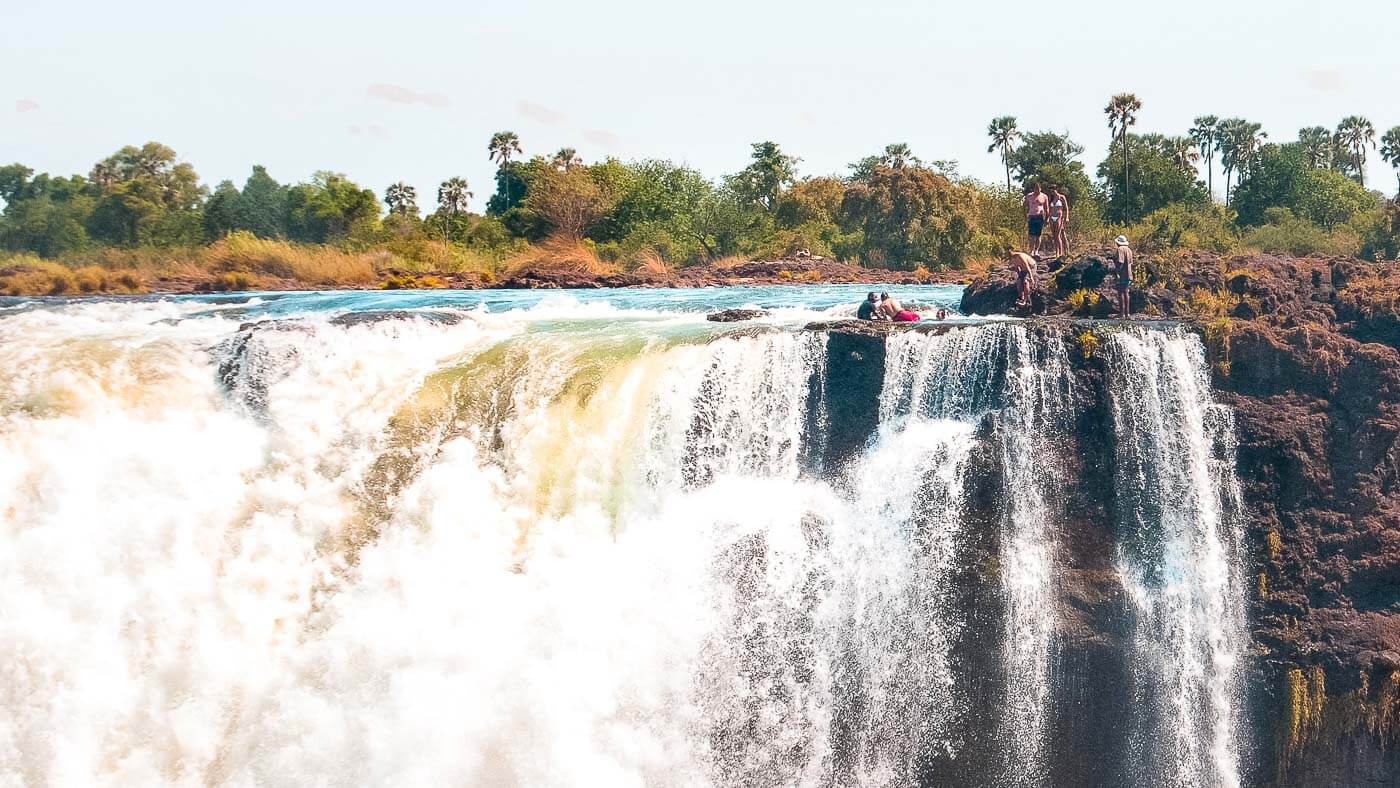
(1178, 507)
(1022, 381)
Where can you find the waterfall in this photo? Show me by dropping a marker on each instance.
(1021, 381)
(1178, 509)
(472, 548)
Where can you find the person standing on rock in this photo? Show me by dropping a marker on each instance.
(1024, 266)
(1123, 274)
(1037, 205)
(1059, 217)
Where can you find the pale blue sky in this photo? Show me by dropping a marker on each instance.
(386, 92)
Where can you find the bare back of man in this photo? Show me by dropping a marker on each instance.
(1024, 266)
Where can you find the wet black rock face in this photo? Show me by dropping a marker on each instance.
(735, 315)
(370, 318)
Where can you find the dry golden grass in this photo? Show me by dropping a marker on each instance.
(319, 265)
(648, 261)
(28, 275)
(559, 253)
(979, 266)
(725, 263)
(440, 257)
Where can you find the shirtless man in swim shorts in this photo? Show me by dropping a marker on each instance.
(1037, 205)
(1059, 217)
(1024, 266)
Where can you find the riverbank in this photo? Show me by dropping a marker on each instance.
(269, 269)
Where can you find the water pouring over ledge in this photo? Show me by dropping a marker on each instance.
(571, 544)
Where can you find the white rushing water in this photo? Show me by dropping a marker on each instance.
(412, 552)
(1022, 382)
(1181, 541)
(533, 548)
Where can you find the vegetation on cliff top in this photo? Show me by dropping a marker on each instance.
(142, 214)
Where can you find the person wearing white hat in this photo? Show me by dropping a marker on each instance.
(1123, 273)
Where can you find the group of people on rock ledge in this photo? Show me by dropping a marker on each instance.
(886, 307)
(1053, 208)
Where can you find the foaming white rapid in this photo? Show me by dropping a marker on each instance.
(413, 551)
(1023, 382)
(1181, 539)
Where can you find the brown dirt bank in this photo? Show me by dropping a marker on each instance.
(1307, 352)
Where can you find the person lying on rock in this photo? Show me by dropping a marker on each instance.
(1123, 275)
(869, 309)
(891, 308)
(1024, 266)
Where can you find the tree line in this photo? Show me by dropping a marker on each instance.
(891, 209)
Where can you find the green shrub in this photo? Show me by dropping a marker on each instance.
(1288, 234)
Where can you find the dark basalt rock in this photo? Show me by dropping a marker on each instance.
(736, 315)
(370, 318)
(1309, 361)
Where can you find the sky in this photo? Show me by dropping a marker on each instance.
(412, 92)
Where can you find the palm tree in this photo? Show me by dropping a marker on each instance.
(1004, 135)
(1239, 142)
(1355, 133)
(1390, 152)
(1203, 134)
(1182, 151)
(453, 199)
(1227, 141)
(1317, 146)
(1122, 112)
(898, 154)
(1250, 144)
(566, 159)
(103, 174)
(504, 145)
(401, 198)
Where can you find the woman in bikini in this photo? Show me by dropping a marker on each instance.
(1059, 217)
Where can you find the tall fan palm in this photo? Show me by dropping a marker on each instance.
(1355, 133)
(502, 147)
(1004, 134)
(1122, 112)
(898, 154)
(1203, 134)
(1390, 153)
(103, 174)
(453, 199)
(566, 159)
(1317, 146)
(1182, 151)
(1240, 143)
(401, 198)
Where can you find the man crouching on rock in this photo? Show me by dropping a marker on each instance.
(1024, 266)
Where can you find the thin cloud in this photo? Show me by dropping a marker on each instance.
(398, 94)
(1328, 80)
(604, 138)
(25, 105)
(540, 113)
